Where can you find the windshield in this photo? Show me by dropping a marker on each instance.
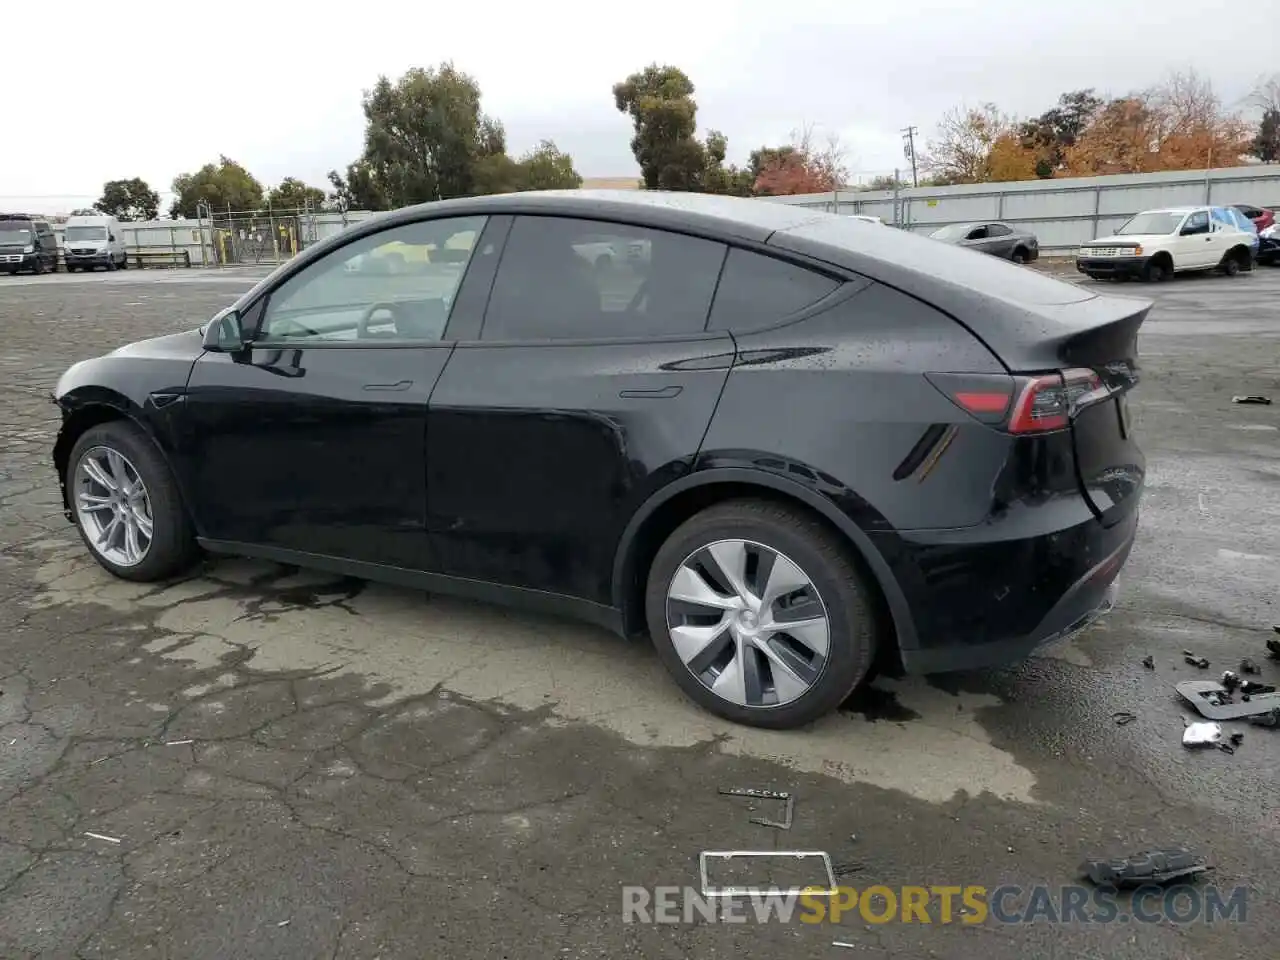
(1147, 224)
(956, 231)
(75, 234)
(11, 233)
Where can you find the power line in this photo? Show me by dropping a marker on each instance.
(909, 149)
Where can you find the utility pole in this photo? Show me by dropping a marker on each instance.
(909, 151)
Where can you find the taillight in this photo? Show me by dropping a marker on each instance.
(1046, 402)
(1023, 404)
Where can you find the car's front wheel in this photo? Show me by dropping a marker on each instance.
(126, 504)
(760, 614)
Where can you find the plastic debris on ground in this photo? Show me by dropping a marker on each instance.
(1204, 734)
(1194, 660)
(1148, 867)
(1254, 399)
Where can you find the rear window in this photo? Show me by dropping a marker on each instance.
(943, 262)
(756, 291)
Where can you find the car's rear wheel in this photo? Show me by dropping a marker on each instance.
(761, 614)
(1019, 256)
(126, 504)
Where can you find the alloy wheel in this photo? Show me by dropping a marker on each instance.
(748, 623)
(113, 506)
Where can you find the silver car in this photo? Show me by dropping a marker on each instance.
(998, 239)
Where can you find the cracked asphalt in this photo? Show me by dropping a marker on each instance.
(263, 762)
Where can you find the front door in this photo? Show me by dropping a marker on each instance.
(590, 384)
(313, 439)
(1195, 243)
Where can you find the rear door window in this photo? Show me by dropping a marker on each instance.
(998, 230)
(757, 291)
(562, 278)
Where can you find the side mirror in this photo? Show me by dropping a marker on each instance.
(111, 237)
(225, 333)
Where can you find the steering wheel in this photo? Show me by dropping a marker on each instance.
(366, 320)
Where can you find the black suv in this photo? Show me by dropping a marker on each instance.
(27, 243)
(789, 446)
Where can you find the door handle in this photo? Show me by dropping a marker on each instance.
(402, 385)
(657, 393)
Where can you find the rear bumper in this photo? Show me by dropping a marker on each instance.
(985, 602)
(1112, 266)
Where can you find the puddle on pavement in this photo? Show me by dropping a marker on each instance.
(271, 618)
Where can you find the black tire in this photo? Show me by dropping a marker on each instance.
(124, 261)
(38, 267)
(1230, 265)
(1155, 272)
(173, 545)
(71, 269)
(1019, 256)
(1095, 276)
(823, 557)
(111, 264)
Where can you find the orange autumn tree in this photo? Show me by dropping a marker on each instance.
(1121, 138)
(1009, 160)
(1178, 125)
(979, 145)
(800, 167)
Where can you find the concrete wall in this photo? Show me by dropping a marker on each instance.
(1061, 213)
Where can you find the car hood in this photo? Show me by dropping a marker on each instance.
(187, 345)
(1128, 240)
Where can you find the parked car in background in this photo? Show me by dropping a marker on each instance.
(27, 243)
(89, 242)
(610, 443)
(1269, 245)
(1246, 226)
(997, 239)
(1261, 216)
(1155, 244)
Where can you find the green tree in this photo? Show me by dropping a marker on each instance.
(356, 191)
(223, 185)
(128, 200)
(424, 136)
(1266, 144)
(659, 100)
(547, 167)
(1055, 131)
(721, 177)
(293, 194)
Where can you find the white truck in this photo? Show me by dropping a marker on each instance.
(97, 241)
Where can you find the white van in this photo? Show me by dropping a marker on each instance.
(96, 241)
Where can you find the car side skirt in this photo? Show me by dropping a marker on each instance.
(610, 618)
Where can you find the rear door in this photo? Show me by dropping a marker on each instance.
(589, 385)
(1001, 240)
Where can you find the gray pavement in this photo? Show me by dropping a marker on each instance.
(286, 764)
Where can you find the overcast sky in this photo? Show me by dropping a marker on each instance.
(154, 89)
